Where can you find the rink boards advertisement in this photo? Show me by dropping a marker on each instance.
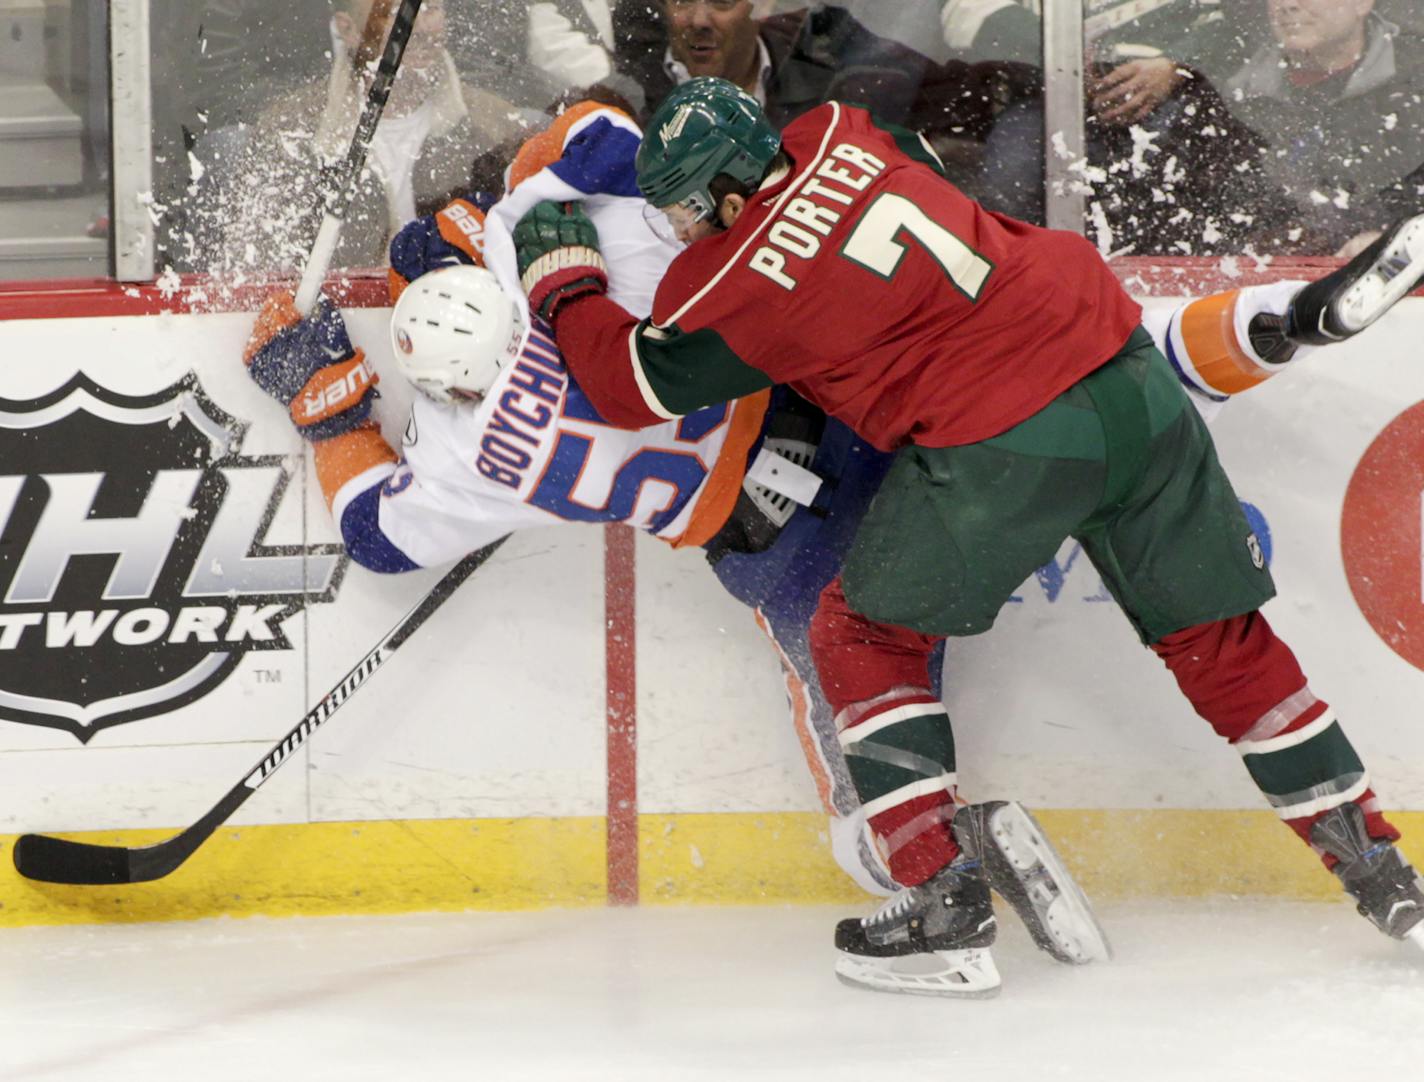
(175, 598)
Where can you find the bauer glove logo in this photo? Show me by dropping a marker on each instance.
(334, 389)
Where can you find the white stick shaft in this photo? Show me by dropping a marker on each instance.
(318, 262)
(344, 188)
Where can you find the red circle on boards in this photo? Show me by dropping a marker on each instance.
(1380, 540)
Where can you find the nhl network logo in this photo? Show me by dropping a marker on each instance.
(133, 569)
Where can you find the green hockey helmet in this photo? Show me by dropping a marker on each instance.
(705, 128)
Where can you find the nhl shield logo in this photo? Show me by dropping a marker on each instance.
(133, 569)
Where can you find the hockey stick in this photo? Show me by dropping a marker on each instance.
(58, 860)
(348, 174)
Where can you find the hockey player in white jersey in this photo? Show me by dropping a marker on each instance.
(504, 439)
(501, 439)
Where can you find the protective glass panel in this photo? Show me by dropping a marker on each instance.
(54, 144)
(258, 97)
(1252, 126)
(967, 73)
(259, 101)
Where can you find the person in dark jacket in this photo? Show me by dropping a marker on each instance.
(1338, 95)
(793, 61)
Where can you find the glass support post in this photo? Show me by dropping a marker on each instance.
(131, 98)
(1065, 139)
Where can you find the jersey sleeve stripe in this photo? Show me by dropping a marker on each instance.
(375, 477)
(365, 541)
(601, 163)
(719, 492)
(1212, 349)
(349, 455)
(791, 190)
(546, 148)
(684, 372)
(650, 399)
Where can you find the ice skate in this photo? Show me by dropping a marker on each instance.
(1021, 865)
(1386, 888)
(1349, 300)
(930, 940)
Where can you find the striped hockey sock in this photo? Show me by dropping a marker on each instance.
(895, 733)
(1303, 762)
(1248, 685)
(900, 750)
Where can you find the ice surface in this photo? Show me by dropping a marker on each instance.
(1221, 990)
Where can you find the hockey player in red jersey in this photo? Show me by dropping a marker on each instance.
(1008, 370)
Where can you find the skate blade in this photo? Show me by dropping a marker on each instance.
(1395, 272)
(1063, 910)
(962, 974)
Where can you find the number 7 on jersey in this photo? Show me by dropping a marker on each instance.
(874, 244)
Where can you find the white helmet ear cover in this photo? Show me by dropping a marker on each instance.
(454, 329)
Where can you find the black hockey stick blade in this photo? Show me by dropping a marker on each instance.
(48, 859)
(60, 860)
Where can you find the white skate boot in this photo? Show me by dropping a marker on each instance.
(1024, 869)
(1349, 300)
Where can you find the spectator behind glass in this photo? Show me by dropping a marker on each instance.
(261, 214)
(1337, 95)
(793, 61)
(1164, 154)
(993, 30)
(1323, 96)
(222, 63)
(535, 53)
(1140, 64)
(1319, 130)
(717, 38)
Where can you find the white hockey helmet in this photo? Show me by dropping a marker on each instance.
(453, 329)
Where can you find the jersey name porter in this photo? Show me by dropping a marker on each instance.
(798, 231)
(874, 287)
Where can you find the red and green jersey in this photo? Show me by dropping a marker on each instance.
(872, 286)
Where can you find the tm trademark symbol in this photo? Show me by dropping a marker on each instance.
(267, 676)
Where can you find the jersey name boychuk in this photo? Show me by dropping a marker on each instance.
(526, 409)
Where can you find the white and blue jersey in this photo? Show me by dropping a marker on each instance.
(535, 453)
